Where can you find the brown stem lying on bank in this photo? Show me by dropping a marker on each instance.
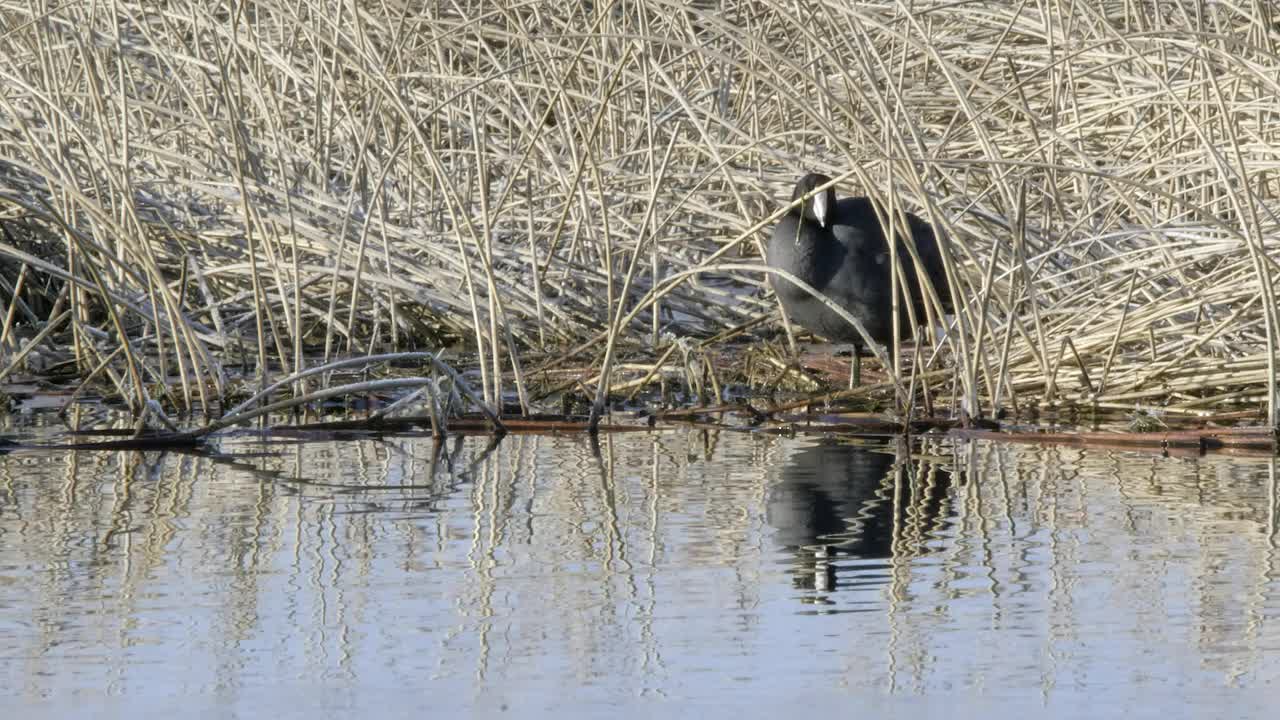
(1246, 438)
(1252, 440)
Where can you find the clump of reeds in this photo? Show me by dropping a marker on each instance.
(190, 188)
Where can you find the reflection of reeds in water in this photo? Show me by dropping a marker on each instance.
(188, 190)
(1039, 535)
(626, 559)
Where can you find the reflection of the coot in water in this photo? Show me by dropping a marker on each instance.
(835, 500)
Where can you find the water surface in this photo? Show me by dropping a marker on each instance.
(655, 573)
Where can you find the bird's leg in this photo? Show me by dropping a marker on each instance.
(855, 368)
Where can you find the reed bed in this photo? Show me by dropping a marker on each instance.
(575, 195)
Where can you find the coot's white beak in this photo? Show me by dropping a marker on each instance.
(820, 208)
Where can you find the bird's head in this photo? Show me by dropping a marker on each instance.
(817, 207)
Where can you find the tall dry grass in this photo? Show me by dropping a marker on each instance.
(186, 187)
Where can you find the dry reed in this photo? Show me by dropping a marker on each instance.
(187, 186)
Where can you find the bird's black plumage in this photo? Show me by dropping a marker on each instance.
(839, 247)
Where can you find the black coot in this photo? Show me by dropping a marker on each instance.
(839, 247)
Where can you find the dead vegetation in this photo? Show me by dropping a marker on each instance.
(572, 196)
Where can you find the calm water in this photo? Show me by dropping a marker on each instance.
(737, 575)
